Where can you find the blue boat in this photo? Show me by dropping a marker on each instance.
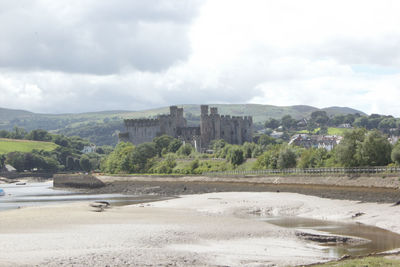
(2, 193)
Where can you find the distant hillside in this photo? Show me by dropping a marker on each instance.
(260, 113)
(6, 114)
(102, 127)
(332, 111)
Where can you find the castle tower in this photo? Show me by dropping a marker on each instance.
(204, 110)
(214, 111)
(173, 111)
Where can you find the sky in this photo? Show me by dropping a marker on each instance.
(78, 56)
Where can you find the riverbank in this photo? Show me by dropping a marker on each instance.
(364, 188)
(203, 230)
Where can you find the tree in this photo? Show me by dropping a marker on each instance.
(119, 161)
(235, 155)
(350, 118)
(248, 149)
(50, 164)
(141, 157)
(396, 153)
(320, 117)
(217, 145)
(375, 150)
(84, 162)
(61, 141)
(70, 165)
(269, 159)
(266, 140)
(323, 130)
(288, 122)
(346, 151)
(311, 126)
(361, 122)
(167, 165)
(313, 158)
(162, 142)
(39, 135)
(4, 134)
(174, 145)
(386, 124)
(17, 160)
(18, 133)
(2, 161)
(185, 150)
(286, 159)
(338, 120)
(272, 123)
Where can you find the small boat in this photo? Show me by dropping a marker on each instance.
(2, 193)
(21, 183)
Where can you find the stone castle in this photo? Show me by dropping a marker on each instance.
(213, 126)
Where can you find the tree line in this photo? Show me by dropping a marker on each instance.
(165, 154)
(320, 120)
(67, 156)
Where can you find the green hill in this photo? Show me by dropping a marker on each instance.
(7, 114)
(102, 127)
(11, 145)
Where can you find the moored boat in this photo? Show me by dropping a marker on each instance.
(2, 193)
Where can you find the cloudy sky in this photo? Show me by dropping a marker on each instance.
(77, 56)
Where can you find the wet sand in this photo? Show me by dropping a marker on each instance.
(199, 230)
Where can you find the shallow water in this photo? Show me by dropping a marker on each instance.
(380, 240)
(43, 193)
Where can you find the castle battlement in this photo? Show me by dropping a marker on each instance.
(141, 122)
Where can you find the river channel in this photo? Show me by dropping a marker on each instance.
(379, 240)
(43, 193)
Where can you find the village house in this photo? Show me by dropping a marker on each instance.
(327, 142)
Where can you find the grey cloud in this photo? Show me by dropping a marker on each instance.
(99, 37)
(382, 51)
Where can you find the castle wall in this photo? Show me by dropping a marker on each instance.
(234, 130)
(141, 130)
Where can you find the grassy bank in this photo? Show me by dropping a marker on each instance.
(11, 145)
(364, 262)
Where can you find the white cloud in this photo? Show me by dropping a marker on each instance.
(97, 55)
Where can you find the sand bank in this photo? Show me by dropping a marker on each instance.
(207, 229)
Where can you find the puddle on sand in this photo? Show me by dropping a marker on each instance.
(38, 194)
(380, 240)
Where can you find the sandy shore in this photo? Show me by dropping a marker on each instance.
(203, 230)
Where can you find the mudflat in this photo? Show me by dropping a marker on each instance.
(199, 230)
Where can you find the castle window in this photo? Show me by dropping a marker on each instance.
(223, 133)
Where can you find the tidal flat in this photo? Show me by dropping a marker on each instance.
(198, 230)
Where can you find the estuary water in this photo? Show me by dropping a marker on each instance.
(379, 240)
(43, 193)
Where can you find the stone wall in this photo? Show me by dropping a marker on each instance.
(76, 181)
(145, 130)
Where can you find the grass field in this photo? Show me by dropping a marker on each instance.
(364, 262)
(331, 131)
(11, 145)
